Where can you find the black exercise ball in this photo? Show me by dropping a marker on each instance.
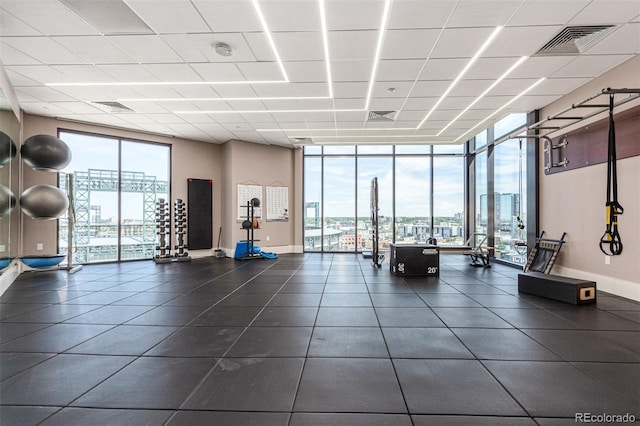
(44, 202)
(247, 224)
(255, 202)
(8, 149)
(46, 153)
(7, 201)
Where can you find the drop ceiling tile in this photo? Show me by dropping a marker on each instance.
(529, 103)
(537, 12)
(492, 102)
(212, 105)
(410, 115)
(169, 16)
(460, 42)
(458, 102)
(46, 108)
(139, 119)
(94, 49)
(13, 56)
(429, 89)
(196, 91)
(351, 70)
(271, 125)
(209, 127)
(350, 116)
(260, 70)
(318, 116)
(49, 17)
(280, 15)
(149, 108)
(288, 117)
(201, 47)
(309, 89)
(222, 118)
(354, 14)
(349, 103)
(128, 73)
(83, 73)
(272, 90)
(521, 41)
(443, 69)
(156, 128)
(238, 127)
(301, 125)
(352, 45)
(473, 13)
(173, 72)
(300, 46)
(281, 104)
(402, 89)
(17, 79)
(557, 86)
(44, 50)
(385, 104)
(399, 70)
(489, 68)
(470, 87)
(218, 72)
(420, 104)
(236, 90)
(157, 92)
(228, 15)
(260, 47)
(44, 94)
(409, 44)
(146, 48)
(538, 67)
(590, 66)
(316, 103)
(420, 14)
(600, 12)
(350, 89)
(79, 107)
(166, 118)
(12, 26)
(624, 40)
(444, 115)
(259, 119)
(306, 71)
(247, 105)
(432, 126)
(110, 119)
(511, 87)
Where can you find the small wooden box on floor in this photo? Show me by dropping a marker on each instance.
(416, 260)
(563, 289)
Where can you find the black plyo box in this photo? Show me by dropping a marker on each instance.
(415, 260)
(563, 289)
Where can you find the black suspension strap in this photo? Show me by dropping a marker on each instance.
(611, 242)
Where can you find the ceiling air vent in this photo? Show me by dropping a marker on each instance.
(381, 116)
(574, 40)
(112, 107)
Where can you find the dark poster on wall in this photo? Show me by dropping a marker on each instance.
(199, 214)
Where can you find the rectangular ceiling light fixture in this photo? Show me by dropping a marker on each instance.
(164, 83)
(524, 92)
(256, 98)
(494, 84)
(108, 16)
(473, 59)
(325, 42)
(267, 33)
(376, 58)
(266, 111)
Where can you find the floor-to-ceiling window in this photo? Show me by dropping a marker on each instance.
(115, 185)
(337, 176)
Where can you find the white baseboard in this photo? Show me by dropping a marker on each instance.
(622, 288)
(9, 275)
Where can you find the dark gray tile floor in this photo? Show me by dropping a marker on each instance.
(307, 340)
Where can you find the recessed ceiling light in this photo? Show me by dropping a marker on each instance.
(391, 90)
(223, 49)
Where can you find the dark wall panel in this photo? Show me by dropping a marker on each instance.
(199, 214)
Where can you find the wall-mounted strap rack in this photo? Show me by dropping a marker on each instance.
(568, 117)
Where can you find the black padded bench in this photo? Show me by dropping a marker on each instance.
(563, 289)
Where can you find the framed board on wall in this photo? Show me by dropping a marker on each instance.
(245, 194)
(277, 204)
(199, 214)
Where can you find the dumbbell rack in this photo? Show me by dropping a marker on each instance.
(180, 223)
(250, 241)
(163, 231)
